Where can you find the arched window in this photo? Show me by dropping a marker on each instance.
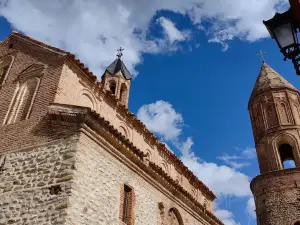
(123, 94)
(4, 67)
(127, 205)
(112, 86)
(23, 100)
(286, 156)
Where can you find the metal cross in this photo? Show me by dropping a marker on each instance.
(120, 54)
(262, 55)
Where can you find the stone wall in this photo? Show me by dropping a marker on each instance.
(277, 197)
(35, 184)
(98, 179)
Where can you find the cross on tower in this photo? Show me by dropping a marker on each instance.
(120, 54)
(262, 55)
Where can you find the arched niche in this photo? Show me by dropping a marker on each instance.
(149, 156)
(124, 130)
(165, 167)
(194, 192)
(174, 217)
(86, 98)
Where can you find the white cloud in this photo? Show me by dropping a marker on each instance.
(161, 118)
(223, 180)
(171, 31)
(249, 153)
(226, 217)
(251, 208)
(239, 161)
(95, 29)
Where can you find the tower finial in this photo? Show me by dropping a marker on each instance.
(262, 55)
(120, 54)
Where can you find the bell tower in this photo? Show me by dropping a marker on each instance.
(116, 79)
(274, 108)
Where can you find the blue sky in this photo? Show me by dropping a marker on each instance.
(194, 67)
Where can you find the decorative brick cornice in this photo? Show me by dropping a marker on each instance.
(84, 115)
(273, 174)
(149, 137)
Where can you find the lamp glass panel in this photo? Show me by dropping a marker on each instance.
(284, 35)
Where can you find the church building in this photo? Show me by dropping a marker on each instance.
(73, 154)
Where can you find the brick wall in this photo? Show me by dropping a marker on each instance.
(277, 197)
(22, 134)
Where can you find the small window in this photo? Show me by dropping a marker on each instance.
(127, 210)
(297, 223)
(286, 156)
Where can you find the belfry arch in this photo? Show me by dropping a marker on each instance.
(287, 149)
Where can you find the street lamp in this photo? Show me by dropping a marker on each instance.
(283, 28)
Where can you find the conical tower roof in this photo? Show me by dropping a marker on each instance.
(269, 79)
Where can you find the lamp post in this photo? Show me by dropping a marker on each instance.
(283, 27)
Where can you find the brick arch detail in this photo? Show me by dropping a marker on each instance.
(149, 155)
(86, 94)
(165, 167)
